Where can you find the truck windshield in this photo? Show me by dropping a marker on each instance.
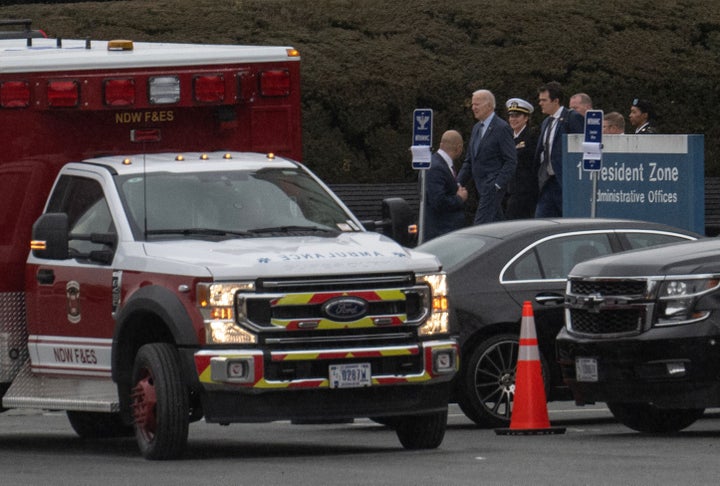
(230, 204)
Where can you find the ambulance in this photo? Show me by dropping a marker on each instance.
(166, 258)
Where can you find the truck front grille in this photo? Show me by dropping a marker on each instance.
(320, 306)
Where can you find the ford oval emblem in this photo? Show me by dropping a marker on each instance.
(345, 308)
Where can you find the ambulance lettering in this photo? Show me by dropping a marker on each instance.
(334, 254)
(75, 355)
(144, 117)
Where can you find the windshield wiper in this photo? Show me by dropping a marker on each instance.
(198, 232)
(294, 229)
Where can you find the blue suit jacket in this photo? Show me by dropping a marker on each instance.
(444, 210)
(570, 121)
(492, 159)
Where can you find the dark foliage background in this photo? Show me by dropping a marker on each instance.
(368, 63)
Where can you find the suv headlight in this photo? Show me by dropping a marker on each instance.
(677, 298)
(217, 306)
(437, 322)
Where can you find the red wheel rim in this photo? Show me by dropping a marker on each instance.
(144, 404)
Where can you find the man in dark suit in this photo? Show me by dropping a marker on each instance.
(548, 155)
(444, 198)
(491, 158)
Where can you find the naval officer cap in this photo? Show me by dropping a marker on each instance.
(644, 106)
(519, 105)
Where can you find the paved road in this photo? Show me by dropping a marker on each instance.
(40, 448)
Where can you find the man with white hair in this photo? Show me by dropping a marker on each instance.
(490, 159)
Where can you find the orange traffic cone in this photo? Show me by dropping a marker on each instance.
(529, 413)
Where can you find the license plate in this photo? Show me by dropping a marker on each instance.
(586, 369)
(353, 375)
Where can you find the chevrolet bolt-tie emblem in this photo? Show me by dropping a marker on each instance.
(592, 302)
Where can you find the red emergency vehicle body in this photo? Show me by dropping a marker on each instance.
(306, 317)
(81, 99)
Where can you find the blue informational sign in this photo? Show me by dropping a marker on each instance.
(592, 147)
(657, 178)
(422, 136)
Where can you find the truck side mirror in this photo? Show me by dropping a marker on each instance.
(398, 221)
(50, 237)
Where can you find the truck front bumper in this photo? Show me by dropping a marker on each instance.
(256, 385)
(671, 367)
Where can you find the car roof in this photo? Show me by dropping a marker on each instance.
(514, 228)
(690, 258)
(187, 162)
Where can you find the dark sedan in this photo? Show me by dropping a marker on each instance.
(493, 268)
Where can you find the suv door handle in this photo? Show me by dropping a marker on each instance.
(45, 276)
(548, 299)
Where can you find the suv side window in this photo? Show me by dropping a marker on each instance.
(84, 202)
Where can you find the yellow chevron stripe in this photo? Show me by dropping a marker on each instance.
(327, 324)
(303, 299)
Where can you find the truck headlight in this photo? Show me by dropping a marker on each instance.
(677, 300)
(217, 306)
(437, 322)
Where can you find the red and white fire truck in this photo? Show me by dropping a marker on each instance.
(160, 264)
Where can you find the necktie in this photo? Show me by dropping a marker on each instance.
(546, 142)
(547, 145)
(482, 129)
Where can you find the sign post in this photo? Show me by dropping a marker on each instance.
(421, 155)
(592, 151)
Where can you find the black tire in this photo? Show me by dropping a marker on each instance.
(487, 381)
(97, 425)
(160, 402)
(647, 418)
(422, 431)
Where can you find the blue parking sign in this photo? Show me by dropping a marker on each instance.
(592, 146)
(422, 126)
(422, 135)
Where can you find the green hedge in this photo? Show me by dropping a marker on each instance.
(368, 63)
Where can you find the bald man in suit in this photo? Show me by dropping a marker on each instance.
(444, 198)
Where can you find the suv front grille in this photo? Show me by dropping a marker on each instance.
(601, 307)
(608, 287)
(607, 322)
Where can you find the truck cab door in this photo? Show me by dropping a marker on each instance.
(69, 288)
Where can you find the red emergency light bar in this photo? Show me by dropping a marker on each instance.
(275, 82)
(209, 88)
(119, 92)
(140, 91)
(63, 93)
(15, 94)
